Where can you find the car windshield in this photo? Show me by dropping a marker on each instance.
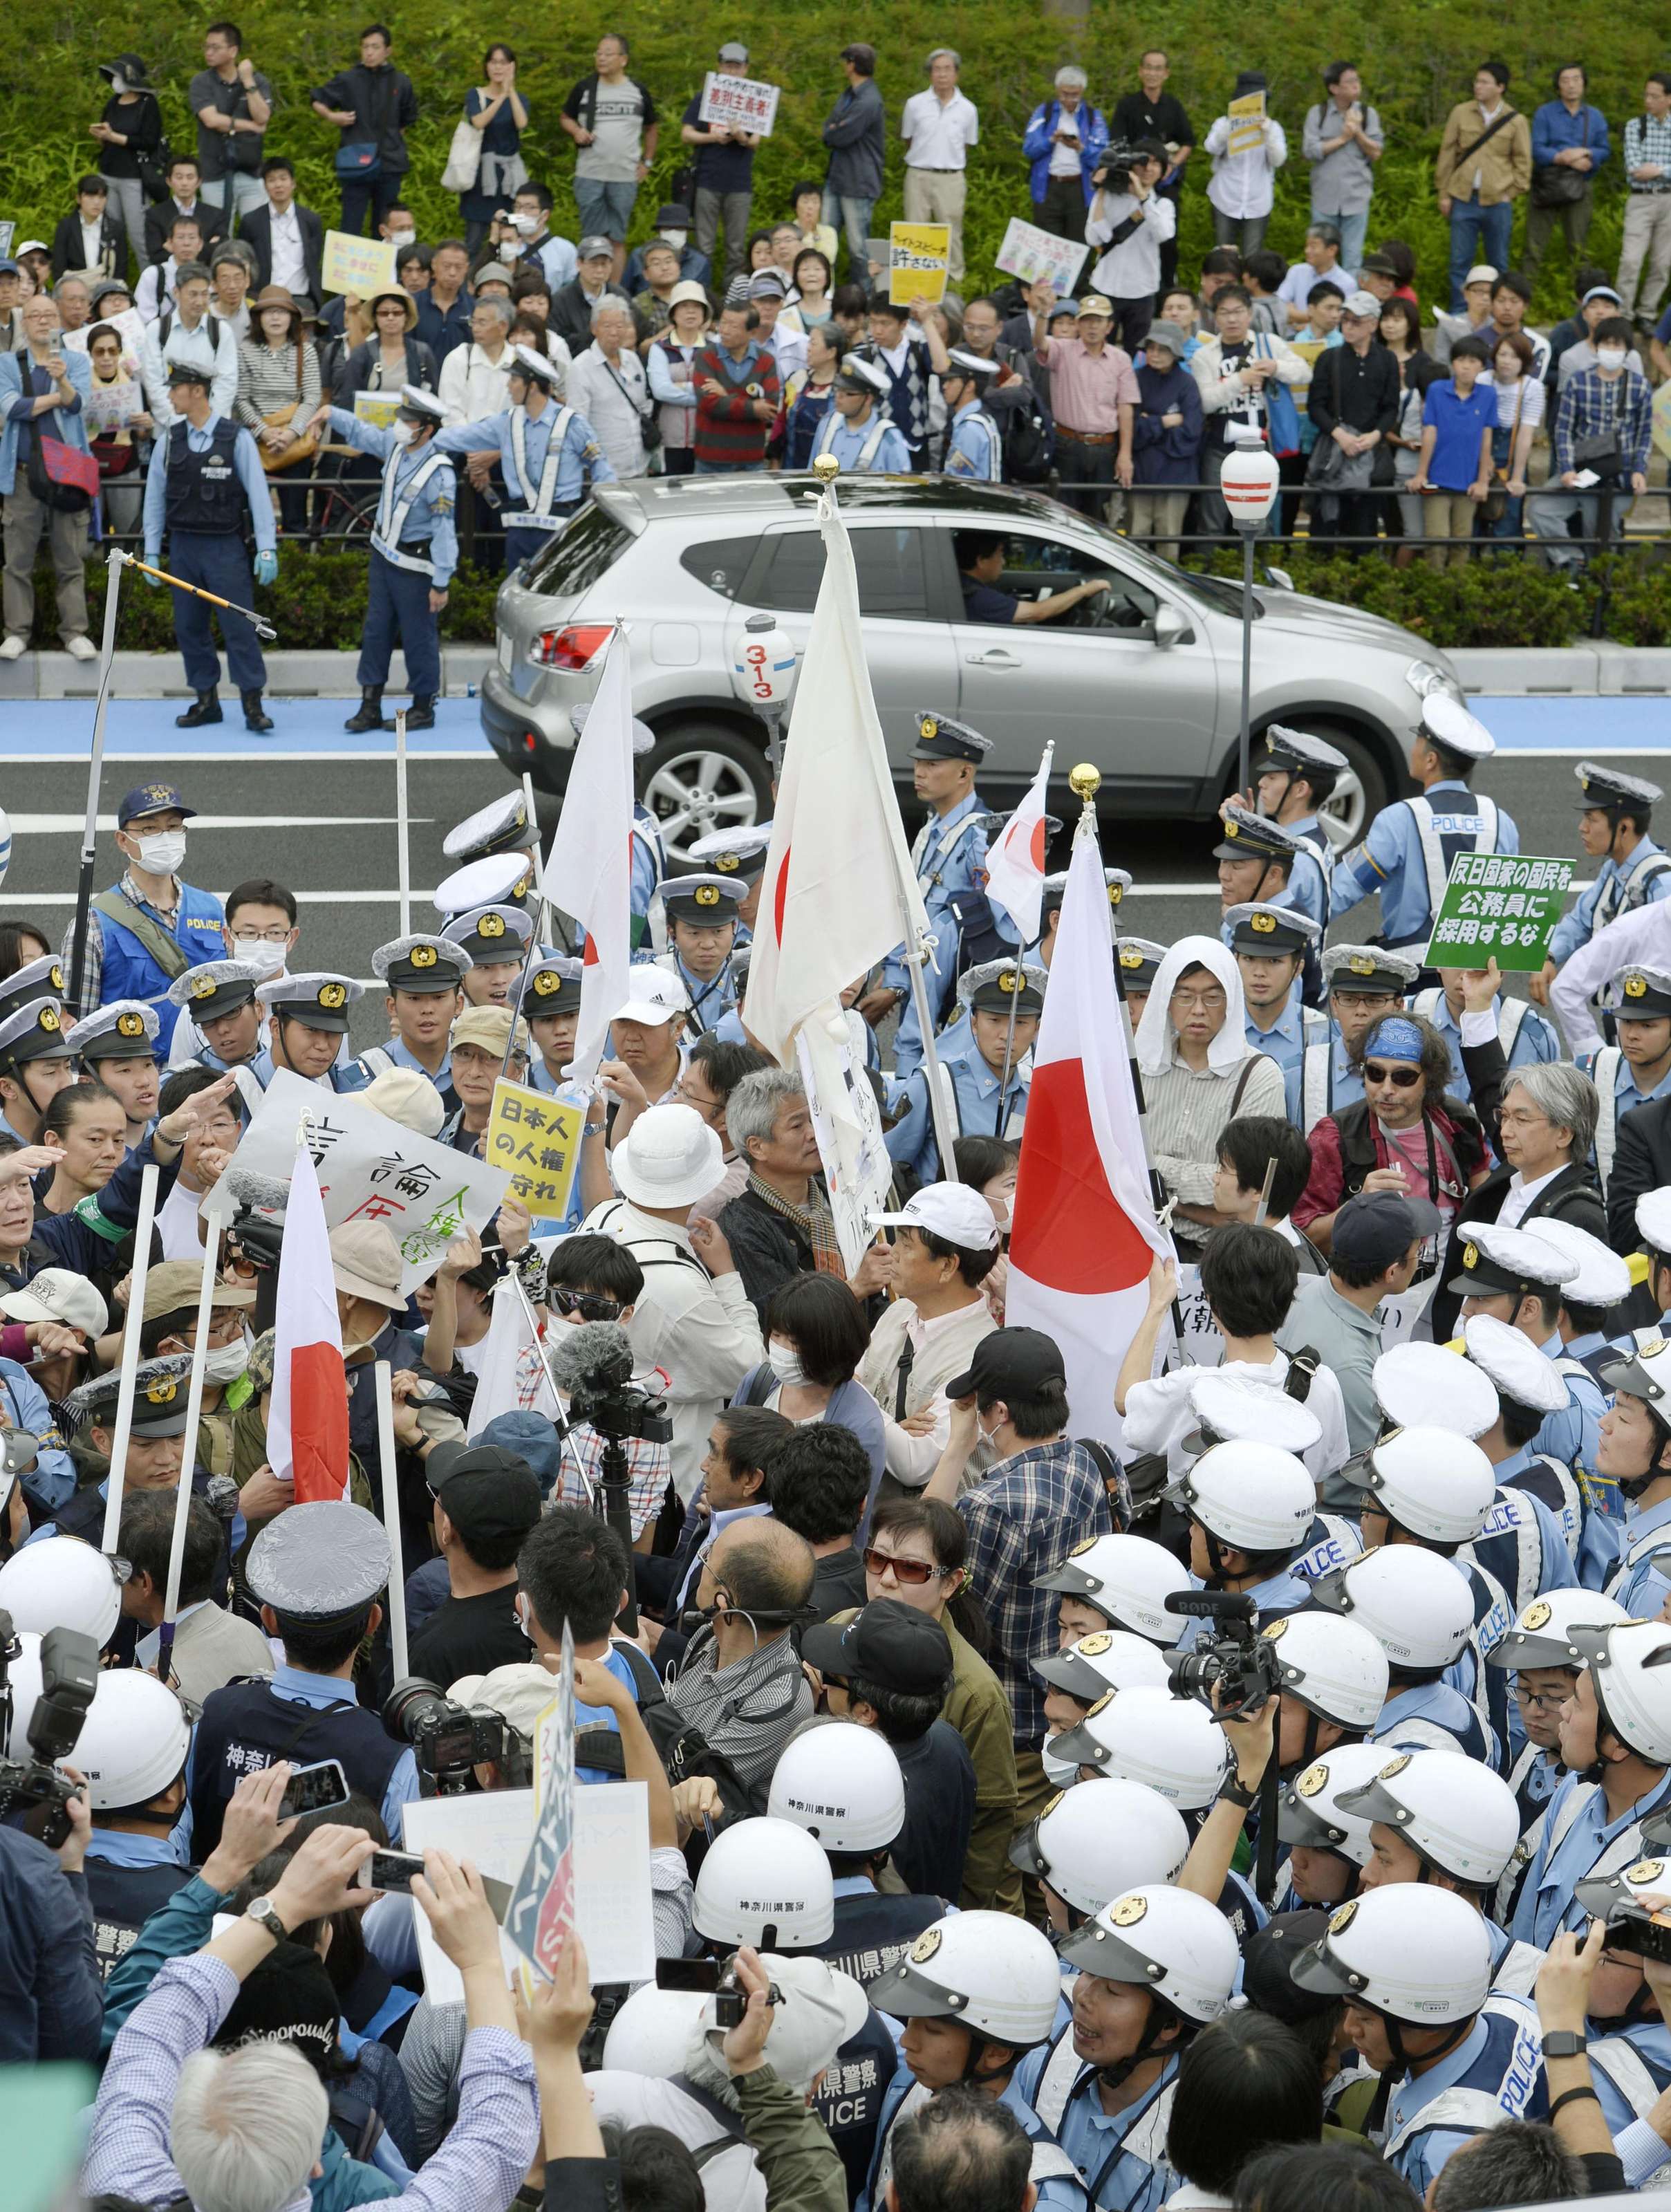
(1218, 591)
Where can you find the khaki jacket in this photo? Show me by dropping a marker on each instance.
(1504, 161)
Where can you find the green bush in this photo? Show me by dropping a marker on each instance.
(1417, 58)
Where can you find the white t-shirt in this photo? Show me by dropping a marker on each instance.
(180, 1225)
(1064, 160)
(1528, 393)
(1158, 1416)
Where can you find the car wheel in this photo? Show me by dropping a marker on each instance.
(1362, 791)
(701, 777)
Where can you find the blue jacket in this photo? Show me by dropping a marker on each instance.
(1163, 456)
(63, 422)
(1036, 148)
(51, 2002)
(130, 972)
(1555, 130)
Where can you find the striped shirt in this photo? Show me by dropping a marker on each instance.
(267, 381)
(1648, 145)
(1596, 406)
(1186, 1111)
(747, 1710)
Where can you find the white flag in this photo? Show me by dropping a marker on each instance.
(1015, 865)
(588, 870)
(839, 890)
(513, 1376)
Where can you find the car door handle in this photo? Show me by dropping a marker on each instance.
(996, 657)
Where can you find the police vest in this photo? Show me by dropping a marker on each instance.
(395, 503)
(865, 457)
(203, 493)
(1604, 1074)
(1510, 1547)
(1632, 891)
(244, 1728)
(123, 1899)
(1331, 1541)
(1317, 1084)
(953, 839)
(1510, 1014)
(1505, 2082)
(1439, 848)
(848, 2100)
(873, 1932)
(1518, 1970)
(132, 970)
(1639, 2081)
(1624, 1848)
(536, 513)
(1143, 2140)
(1638, 1554)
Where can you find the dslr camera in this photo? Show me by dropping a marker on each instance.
(1114, 172)
(1634, 1928)
(1231, 1657)
(69, 1679)
(450, 1739)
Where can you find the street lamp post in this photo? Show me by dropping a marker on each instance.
(762, 675)
(1249, 485)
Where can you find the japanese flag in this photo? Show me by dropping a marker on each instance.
(307, 1420)
(1015, 865)
(588, 870)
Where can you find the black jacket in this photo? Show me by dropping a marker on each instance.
(1363, 395)
(257, 231)
(571, 315)
(211, 228)
(355, 372)
(768, 1248)
(67, 247)
(385, 109)
(1641, 1163)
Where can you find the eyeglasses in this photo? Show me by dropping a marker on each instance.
(914, 1573)
(1551, 1700)
(1402, 1078)
(261, 936)
(590, 1305)
(1214, 1002)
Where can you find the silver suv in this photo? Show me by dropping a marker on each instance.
(1144, 680)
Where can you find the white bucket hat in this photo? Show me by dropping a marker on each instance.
(670, 1157)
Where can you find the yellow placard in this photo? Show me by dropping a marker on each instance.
(360, 265)
(1661, 418)
(535, 1139)
(1247, 124)
(920, 252)
(378, 408)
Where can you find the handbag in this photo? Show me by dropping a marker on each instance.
(300, 449)
(464, 158)
(60, 477)
(1282, 415)
(359, 161)
(1497, 498)
(1602, 454)
(649, 427)
(1555, 187)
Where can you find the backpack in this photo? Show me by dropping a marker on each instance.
(682, 1747)
(1028, 443)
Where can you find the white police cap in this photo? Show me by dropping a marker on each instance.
(1515, 1256)
(1653, 1213)
(318, 1562)
(498, 880)
(525, 362)
(1368, 968)
(1235, 1411)
(997, 984)
(490, 934)
(1515, 1366)
(1449, 724)
(124, 1030)
(1603, 1279)
(421, 963)
(1426, 1385)
(503, 825)
(423, 405)
(1600, 787)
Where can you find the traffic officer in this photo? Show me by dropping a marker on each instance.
(317, 1573)
(1255, 858)
(1614, 813)
(741, 854)
(649, 853)
(422, 978)
(133, 1749)
(496, 938)
(987, 1079)
(414, 551)
(156, 1447)
(1293, 778)
(206, 485)
(1407, 857)
(1420, 1608)
(1635, 1455)
(978, 1991)
(1363, 982)
(116, 1046)
(549, 454)
(1518, 1276)
(1635, 1070)
(548, 1000)
(702, 936)
(972, 446)
(1156, 1966)
(1543, 1663)
(949, 854)
(1271, 943)
(151, 925)
(220, 997)
(1528, 1038)
(34, 1066)
(1413, 1964)
(1249, 1507)
(1137, 963)
(308, 1019)
(858, 429)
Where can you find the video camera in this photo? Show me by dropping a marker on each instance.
(1232, 1658)
(1633, 1927)
(592, 1365)
(1113, 171)
(450, 1739)
(69, 1679)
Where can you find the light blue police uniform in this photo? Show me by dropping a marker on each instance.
(1573, 1432)
(974, 447)
(1639, 1586)
(949, 858)
(1536, 1042)
(51, 1482)
(710, 1001)
(1284, 1042)
(889, 455)
(1650, 2041)
(1391, 859)
(1421, 1717)
(1546, 1904)
(1499, 2055)
(1310, 878)
(975, 1086)
(1615, 890)
(537, 507)
(1116, 2179)
(415, 506)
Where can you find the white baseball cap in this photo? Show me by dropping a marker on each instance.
(657, 994)
(59, 1294)
(954, 1211)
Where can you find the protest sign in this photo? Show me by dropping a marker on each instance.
(1501, 907)
(542, 1906)
(848, 1128)
(371, 1169)
(8, 232)
(1201, 1344)
(1247, 123)
(360, 265)
(378, 408)
(737, 103)
(919, 254)
(1030, 253)
(535, 1139)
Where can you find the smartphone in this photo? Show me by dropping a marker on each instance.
(393, 1870)
(700, 1976)
(312, 1788)
(1633, 1927)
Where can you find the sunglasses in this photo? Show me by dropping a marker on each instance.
(590, 1305)
(913, 1572)
(1402, 1078)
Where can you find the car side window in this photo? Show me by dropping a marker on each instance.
(888, 558)
(1034, 566)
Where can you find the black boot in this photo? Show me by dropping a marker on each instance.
(370, 716)
(206, 708)
(255, 717)
(420, 714)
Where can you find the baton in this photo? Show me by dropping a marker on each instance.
(264, 628)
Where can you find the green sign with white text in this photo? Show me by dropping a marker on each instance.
(1501, 907)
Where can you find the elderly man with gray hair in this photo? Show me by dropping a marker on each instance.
(939, 127)
(780, 1224)
(607, 384)
(1063, 150)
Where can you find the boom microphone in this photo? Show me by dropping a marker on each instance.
(262, 1193)
(595, 1356)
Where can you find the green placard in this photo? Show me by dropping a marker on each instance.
(1501, 907)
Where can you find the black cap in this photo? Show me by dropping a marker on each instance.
(1378, 1226)
(1266, 1957)
(890, 1644)
(1010, 1363)
(287, 1999)
(487, 1492)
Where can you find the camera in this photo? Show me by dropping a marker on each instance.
(69, 1679)
(1633, 1927)
(450, 1739)
(1114, 172)
(1232, 1657)
(609, 1402)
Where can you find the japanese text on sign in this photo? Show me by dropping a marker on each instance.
(535, 1138)
(1247, 123)
(919, 254)
(1030, 253)
(359, 265)
(1501, 907)
(737, 103)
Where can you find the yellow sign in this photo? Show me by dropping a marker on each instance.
(535, 1139)
(1247, 130)
(380, 410)
(360, 265)
(918, 253)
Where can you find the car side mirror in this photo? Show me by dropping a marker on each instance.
(1172, 626)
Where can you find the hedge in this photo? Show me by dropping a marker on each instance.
(1417, 58)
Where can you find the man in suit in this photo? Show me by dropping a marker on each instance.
(287, 239)
(91, 238)
(184, 199)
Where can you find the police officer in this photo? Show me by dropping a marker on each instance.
(978, 1991)
(1407, 857)
(116, 1046)
(972, 446)
(1614, 813)
(1629, 2041)
(414, 551)
(549, 454)
(1097, 1839)
(1420, 1608)
(496, 938)
(1255, 858)
(206, 484)
(741, 854)
(649, 853)
(1328, 1847)
(1544, 1662)
(1517, 1276)
(1634, 1457)
(317, 1573)
(1540, 1535)
(949, 854)
(1105, 2083)
(503, 826)
(1137, 960)
(1529, 1038)
(1118, 1582)
(156, 1441)
(308, 1019)
(858, 429)
(151, 925)
(70, 1585)
(133, 1749)
(548, 1000)
(1293, 779)
(1250, 1507)
(1119, 882)
(1334, 1676)
(1271, 945)
(422, 978)
(986, 1077)
(1413, 1964)
(1363, 982)
(701, 925)
(1635, 1069)
(220, 996)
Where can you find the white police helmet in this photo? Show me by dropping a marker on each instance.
(1168, 1940)
(1107, 1659)
(842, 1784)
(1420, 1955)
(653, 2032)
(1631, 1669)
(1431, 1481)
(61, 1583)
(990, 1971)
(1332, 1666)
(1129, 1579)
(1311, 1812)
(1101, 1837)
(1427, 1385)
(766, 1882)
(1172, 1744)
(1417, 1606)
(1249, 1495)
(134, 1740)
(1598, 1893)
(1452, 1810)
(1542, 1635)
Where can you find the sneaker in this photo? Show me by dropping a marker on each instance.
(80, 648)
(13, 648)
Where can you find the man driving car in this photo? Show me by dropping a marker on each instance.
(981, 555)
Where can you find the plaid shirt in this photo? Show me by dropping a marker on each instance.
(1648, 144)
(479, 2168)
(649, 1471)
(1595, 406)
(93, 967)
(1023, 1520)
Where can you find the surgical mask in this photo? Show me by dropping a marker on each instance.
(404, 432)
(160, 855)
(527, 224)
(257, 952)
(674, 238)
(785, 1362)
(400, 240)
(1611, 357)
(225, 1363)
(1062, 1773)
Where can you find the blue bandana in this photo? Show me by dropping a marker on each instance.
(1395, 1038)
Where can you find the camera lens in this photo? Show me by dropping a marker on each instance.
(411, 1702)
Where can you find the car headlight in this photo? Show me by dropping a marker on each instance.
(1423, 677)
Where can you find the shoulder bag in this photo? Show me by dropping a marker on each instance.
(1496, 499)
(61, 476)
(1555, 186)
(301, 448)
(464, 158)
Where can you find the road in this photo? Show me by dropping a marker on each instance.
(315, 810)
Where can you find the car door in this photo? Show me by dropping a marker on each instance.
(908, 644)
(1094, 680)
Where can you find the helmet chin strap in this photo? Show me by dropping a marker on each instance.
(1148, 2043)
(1219, 1576)
(1402, 2057)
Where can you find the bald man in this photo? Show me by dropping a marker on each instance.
(740, 1681)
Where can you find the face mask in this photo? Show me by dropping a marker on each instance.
(404, 432)
(257, 952)
(1062, 1773)
(527, 224)
(785, 1362)
(160, 855)
(400, 240)
(227, 1362)
(674, 238)
(1610, 356)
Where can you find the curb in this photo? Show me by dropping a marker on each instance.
(1598, 668)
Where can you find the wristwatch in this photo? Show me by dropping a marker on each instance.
(1234, 1791)
(262, 1911)
(1564, 2043)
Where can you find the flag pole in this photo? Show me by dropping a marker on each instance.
(565, 1431)
(118, 560)
(543, 905)
(382, 1380)
(132, 1328)
(215, 1223)
(1009, 1049)
(400, 820)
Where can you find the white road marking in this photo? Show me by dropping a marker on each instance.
(65, 825)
